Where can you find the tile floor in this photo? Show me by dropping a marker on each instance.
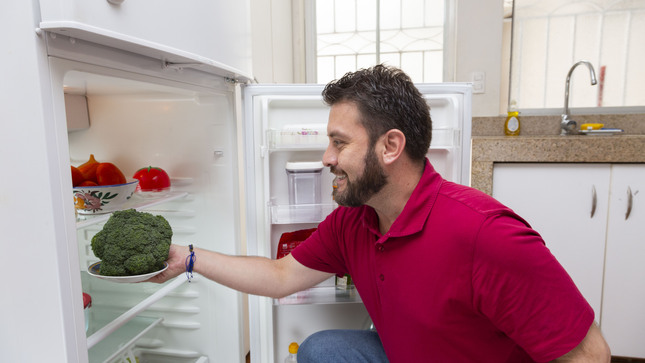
(626, 360)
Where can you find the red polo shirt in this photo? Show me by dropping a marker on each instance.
(458, 278)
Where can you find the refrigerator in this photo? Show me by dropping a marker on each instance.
(87, 78)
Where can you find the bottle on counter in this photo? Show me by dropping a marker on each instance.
(512, 124)
(293, 353)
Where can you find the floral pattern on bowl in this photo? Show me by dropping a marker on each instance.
(102, 198)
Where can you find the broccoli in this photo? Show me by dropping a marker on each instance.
(132, 243)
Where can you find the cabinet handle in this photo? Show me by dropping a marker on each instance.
(629, 202)
(115, 2)
(593, 200)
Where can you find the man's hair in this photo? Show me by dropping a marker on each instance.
(386, 99)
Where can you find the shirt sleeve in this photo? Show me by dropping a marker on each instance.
(321, 251)
(520, 286)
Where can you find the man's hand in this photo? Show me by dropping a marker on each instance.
(176, 264)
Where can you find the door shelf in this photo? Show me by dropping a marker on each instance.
(298, 138)
(445, 138)
(322, 295)
(136, 202)
(300, 213)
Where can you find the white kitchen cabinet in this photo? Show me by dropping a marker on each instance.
(580, 210)
(557, 201)
(623, 317)
(211, 35)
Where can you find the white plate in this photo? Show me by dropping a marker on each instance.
(94, 271)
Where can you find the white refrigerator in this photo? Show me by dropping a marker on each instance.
(86, 81)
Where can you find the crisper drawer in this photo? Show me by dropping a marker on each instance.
(214, 32)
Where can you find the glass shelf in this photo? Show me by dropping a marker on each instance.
(137, 202)
(122, 339)
(111, 333)
(300, 213)
(322, 295)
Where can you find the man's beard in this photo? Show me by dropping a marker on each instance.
(359, 192)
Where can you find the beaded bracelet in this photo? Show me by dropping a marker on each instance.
(190, 262)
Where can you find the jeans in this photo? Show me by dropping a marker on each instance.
(338, 346)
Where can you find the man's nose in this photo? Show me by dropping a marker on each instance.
(329, 157)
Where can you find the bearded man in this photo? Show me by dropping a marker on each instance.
(447, 273)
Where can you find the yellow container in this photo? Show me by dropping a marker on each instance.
(591, 126)
(512, 124)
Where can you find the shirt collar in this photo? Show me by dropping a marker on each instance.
(416, 210)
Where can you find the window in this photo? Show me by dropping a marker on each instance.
(549, 36)
(353, 34)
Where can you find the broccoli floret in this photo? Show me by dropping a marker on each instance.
(132, 243)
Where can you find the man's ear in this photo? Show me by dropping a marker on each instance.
(393, 143)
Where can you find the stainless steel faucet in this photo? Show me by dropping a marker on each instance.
(569, 127)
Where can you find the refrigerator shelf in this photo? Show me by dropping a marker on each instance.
(300, 213)
(110, 337)
(137, 202)
(321, 295)
(116, 345)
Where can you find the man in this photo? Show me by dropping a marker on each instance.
(446, 273)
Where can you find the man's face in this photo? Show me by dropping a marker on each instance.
(359, 175)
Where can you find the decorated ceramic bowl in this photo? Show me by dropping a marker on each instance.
(103, 198)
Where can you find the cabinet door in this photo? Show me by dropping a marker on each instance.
(623, 317)
(557, 200)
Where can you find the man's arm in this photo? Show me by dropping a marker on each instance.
(593, 348)
(249, 274)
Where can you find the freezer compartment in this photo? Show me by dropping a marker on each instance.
(120, 26)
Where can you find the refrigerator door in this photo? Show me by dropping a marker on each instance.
(287, 123)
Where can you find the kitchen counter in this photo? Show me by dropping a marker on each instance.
(487, 150)
(540, 142)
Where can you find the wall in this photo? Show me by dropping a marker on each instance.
(478, 46)
(273, 51)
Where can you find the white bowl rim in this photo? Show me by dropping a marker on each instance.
(135, 181)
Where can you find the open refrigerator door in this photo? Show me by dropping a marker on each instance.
(286, 125)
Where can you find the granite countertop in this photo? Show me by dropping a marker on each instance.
(489, 146)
